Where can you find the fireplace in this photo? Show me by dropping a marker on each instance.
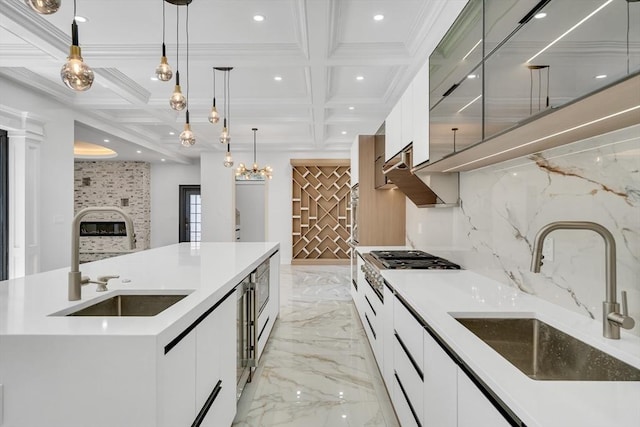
(103, 228)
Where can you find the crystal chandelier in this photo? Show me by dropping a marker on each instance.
(255, 173)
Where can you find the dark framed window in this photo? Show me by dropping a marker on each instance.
(4, 205)
(190, 217)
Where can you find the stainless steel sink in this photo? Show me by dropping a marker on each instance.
(129, 305)
(544, 353)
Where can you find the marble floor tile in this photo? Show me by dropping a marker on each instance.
(317, 369)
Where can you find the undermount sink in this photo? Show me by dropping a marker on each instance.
(543, 352)
(128, 305)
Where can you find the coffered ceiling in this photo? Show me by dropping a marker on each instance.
(317, 47)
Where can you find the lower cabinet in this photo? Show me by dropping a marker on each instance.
(440, 386)
(197, 375)
(473, 408)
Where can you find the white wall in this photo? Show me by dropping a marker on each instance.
(165, 182)
(218, 194)
(504, 206)
(49, 208)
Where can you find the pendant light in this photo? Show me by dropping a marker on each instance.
(177, 100)
(225, 135)
(163, 71)
(44, 7)
(187, 138)
(214, 117)
(255, 173)
(75, 73)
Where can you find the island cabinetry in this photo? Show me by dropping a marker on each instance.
(440, 386)
(197, 370)
(473, 408)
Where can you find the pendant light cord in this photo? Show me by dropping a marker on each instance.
(163, 22)
(187, 23)
(74, 10)
(214, 86)
(177, 42)
(254, 146)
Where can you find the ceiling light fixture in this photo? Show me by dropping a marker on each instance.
(177, 100)
(187, 138)
(352, 108)
(153, 79)
(105, 140)
(278, 78)
(75, 73)
(344, 132)
(44, 7)
(258, 18)
(163, 71)
(138, 151)
(378, 17)
(600, 76)
(214, 116)
(570, 30)
(474, 100)
(359, 78)
(172, 133)
(163, 160)
(80, 19)
(472, 49)
(540, 15)
(255, 173)
(472, 76)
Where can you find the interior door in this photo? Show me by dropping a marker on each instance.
(190, 218)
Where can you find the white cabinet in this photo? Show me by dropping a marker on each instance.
(388, 342)
(407, 117)
(440, 386)
(177, 384)
(373, 321)
(355, 153)
(473, 408)
(420, 110)
(393, 132)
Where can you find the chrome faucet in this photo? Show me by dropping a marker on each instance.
(75, 277)
(612, 319)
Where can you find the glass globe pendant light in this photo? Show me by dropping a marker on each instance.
(44, 7)
(214, 116)
(187, 138)
(177, 101)
(163, 71)
(228, 160)
(225, 135)
(75, 73)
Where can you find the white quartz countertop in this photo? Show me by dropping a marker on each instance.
(436, 295)
(207, 271)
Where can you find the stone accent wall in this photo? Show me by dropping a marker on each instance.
(125, 185)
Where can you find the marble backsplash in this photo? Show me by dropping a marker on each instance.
(503, 207)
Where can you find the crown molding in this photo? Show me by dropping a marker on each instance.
(29, 79)
(123, 85)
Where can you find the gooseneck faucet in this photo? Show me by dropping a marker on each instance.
(612, 319)
(75, 277)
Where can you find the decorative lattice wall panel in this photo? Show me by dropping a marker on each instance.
(321, 211)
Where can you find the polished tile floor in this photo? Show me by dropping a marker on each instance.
(317, 370)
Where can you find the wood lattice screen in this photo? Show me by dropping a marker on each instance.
(321, 211)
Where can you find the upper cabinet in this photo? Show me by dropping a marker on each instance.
(355, 164)
(393, 132)
(507, 64)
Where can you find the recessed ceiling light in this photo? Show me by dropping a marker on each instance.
(154, 79)
(344, 132)
(163, 160)
(172, 133)
(472, 76)
(352, 108)
(258, 18)
(378, 17)
(138, 151)
(359, 78)
(278, 78)
(540, 15)
(81, 19)
(105, 140)
(601, 76)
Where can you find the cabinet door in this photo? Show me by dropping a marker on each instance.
(421, 115)
(440, 386)
(407, 117)
(177, 384)
(393, 132)
(216, 365)
(354, 161)
(473, 408)
(388, 340)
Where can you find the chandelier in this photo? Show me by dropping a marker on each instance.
(255, 173)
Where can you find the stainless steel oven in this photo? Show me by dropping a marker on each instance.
(244, 352)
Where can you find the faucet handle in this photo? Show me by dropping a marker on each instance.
(622, 319)
(107, 278)
(625, 306)
(102, 282)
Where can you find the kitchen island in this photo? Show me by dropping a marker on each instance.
(439, 373)
(163, 370)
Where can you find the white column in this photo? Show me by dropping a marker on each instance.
(217, 191)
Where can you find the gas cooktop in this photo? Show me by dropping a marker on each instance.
(412, 259)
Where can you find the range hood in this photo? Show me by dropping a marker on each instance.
(427, 190)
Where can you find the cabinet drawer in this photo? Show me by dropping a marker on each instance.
(410, 332)
(410, 377)
(440, 386)
(405, 412)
